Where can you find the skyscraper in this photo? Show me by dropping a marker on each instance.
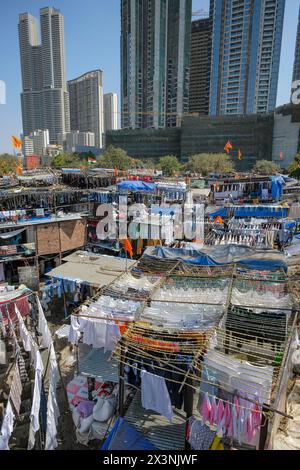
(246, 45)
(155, 51)
(45, 100)
(296, 71)
(86, 104)
(110, 112)
(200, 66)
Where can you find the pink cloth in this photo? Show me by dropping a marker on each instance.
(220, 412)
(205, 408)
(213, 411)
(23, 307)
(237, 405)
(227, 413)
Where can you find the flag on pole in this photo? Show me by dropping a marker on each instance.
(16, 142)
(228, 147)
(91, 160)
(128, 247)
(116, 172)
(239, 155)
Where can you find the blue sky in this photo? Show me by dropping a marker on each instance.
(92, 40)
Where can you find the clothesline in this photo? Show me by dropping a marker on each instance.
(271, 410)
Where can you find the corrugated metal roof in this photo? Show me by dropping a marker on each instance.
(96, 364)
(156, 428)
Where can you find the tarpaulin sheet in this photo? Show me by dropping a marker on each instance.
(136, 186)
(223, 212)
(125, 437)
(250, 257)
(261, 211)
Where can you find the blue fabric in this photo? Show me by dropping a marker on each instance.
(136, 186)
(203, 259)
(125, 437)
(264, 265)
(289, 224)
(261, 211)
(277, 187)
(220, 212)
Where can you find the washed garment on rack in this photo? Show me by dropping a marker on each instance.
(200, 436)
(100, 333)
(20, 302)
(7, 427)
(231, 373)
(155, 395)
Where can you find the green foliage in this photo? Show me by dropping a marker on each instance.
(8, 164)
(115, 157)
(169, 165)
(265, 167)
(294, 168)
(68, 160)
(206, 163)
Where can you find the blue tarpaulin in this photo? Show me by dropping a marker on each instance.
(225, 255)
(125, 437)
(261, 211)
(223, 212)
(136, 186)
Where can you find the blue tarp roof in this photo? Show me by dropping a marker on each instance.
(252, 211)
(136, 186)
(261, 211)
(229, 254)
(223, 212)
(125, 437)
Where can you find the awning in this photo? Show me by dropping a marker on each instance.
(14, 233)
(87, 268)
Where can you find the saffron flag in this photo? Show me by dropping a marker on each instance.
(16, 142)
(116, 172)
(239, 155)
(128, 247)
(19, 170)
(228, 147)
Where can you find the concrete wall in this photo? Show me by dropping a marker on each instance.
(286, 135)
(259, 137)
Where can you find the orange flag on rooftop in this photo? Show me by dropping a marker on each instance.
(128, 247)
(228, 147)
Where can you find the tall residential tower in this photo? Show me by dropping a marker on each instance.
(155, 52)
(110, 112)
(296, 71)
(86, 104)
(200, 66)
(246, 46)
(45, 100)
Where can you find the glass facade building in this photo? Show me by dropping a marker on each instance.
(296, 71)
(246, 47)
(155, 53)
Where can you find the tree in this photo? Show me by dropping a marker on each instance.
(169, 165)
(294, 168)
(68, 160)
(115, 157)
(206, 163)
(265, 167)
(8, 164)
